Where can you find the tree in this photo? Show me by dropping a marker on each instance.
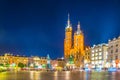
(71, 60)
(7, 65)
(21, 65)
(1, 65)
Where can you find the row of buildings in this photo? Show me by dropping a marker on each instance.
(34, 62)
(100, 55)
(106, 55)
(12, 59)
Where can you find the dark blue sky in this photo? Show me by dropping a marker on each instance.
(37, 27)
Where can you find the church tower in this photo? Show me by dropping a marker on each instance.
(78, 46)
(68, 39)
(78, 39)
(74, 47)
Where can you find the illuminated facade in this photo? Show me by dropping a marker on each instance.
(11, 59)
(74, 46)
(87, 55)
(60, 62)
(37, 62)
(34, 62)
(99, 55)
(114, 52)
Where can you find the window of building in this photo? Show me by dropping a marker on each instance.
(116, 50)
(106, 56)
(100, 57)
(92, 51)
(96, 62)
(111, 46)
(92, 62)
(92, 54)
(116, 45)
(76, 42)
(100, 49)
(88, 57)
(96, 54)
(100, 62)
(111, 51)
(100, 53)
(116, 57)
(96, 58)
(111, 59)
(92, 58)
(96, 50)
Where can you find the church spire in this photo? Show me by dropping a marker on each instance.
(78, 28)
(68, 22)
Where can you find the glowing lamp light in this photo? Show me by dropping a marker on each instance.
(39, 66)
(62, 58)
(67, 64)
(55, 65)
(114, 65)
(31, 65)
(119, 65)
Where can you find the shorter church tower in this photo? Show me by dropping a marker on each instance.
(79, 39)
(78, 46)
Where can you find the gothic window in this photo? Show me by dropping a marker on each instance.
(77, 42)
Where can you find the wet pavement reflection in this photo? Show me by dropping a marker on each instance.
(63, 75)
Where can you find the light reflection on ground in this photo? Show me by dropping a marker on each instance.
(64, 75)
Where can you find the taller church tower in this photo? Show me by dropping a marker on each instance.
(68, 39)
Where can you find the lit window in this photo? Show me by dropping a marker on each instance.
(92, 51)
(100, 49)
(96, 54)
(92, 62)
(92, 58)
(96, 58)
(92, 54)
(106, 53)
(106, 57)
(96, 50)
(100, 57)
(96, 62)
(100, 62)
(100, 53)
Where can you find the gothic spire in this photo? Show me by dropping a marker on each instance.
(78, 28)
(68, 22)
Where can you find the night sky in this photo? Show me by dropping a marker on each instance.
(37, 27)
